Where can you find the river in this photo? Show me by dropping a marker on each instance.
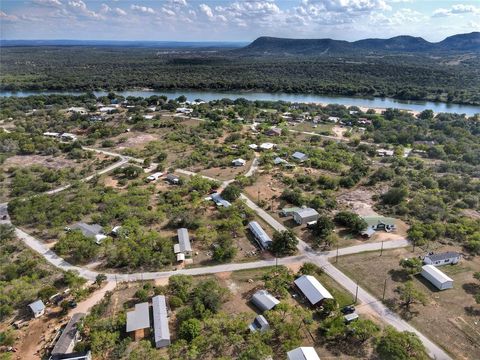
(191, 95)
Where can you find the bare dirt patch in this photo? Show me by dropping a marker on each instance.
(51, 162)
(359, 201)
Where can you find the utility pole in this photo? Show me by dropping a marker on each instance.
(336, 258)
(384, 289)
(356, 293)
(258, 196)
(381, 250)
(276, 261)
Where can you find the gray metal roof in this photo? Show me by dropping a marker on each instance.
(436, 273)
(303, 353)
(184, 240)
(312, 289)
(442, 256)
(37, 306)
(138, 318)
(264, 301)
(219, 201)
(69, 334)
(260, 235)
(160, 321)
(306, 212)
(299, 155)
(88, 230)
(259, 324)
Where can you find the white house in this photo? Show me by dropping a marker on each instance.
(267, 146)
(440, 280)
(333, 119)
(385, 152)
(253, 146)
(312, 289)
(299, 156)
(37, 308)
(107, 108)
(305, 215)
(445, 258)
(148, 117)
(303, 353)
(260, 235)
(51, 134)
(68, 137)
(239, 162)
(154, 176)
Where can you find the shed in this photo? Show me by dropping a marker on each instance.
(305, 215)
(274, 131)
(259, 324)
(267, 146)
(264, 301)
(138, 321)
(303, 353)
(37, 308)
(350, 317)
(449, 257)
(160, 322)
(278, 160)
(70, 335)
(183, 246)
(173, 179)
(312, 289)
(262, 238)
(239, 162)
(440, 280)
(299, 156)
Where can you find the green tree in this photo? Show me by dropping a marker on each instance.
(412, 265)
(323, 228)
(363, 329)
(351, 220)
(190, 329)
(143, 350)
(284, 243)
(100, 279)
(231, 192)
(409, 295)
(397, 345)
(278, 280)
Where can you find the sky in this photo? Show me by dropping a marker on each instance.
(235, 20)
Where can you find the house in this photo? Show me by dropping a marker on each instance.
(253, 146)
(148, 117)
(305, 215)
(68, 137)
(333, 119)
(299, 156)
(183, 249)
(116, 230)
(312, 289)
(184, 110)
(259, 324)
(51, 134)
(154, 176)
(161, 332)
(289, 211)
(96, 118)
(239, 162)
(70, 336)
(219, 201)
(105, 109)
(385, 152)
(445, 258)
(92, 231)
(279, 160)
(264, 301)
(260, 235)
(77, 110)
(267, 146)
(436, 277)
(138, 321)
(375, 223)
(83, 355)
(37, 308)
(364, 121)
(274, 131)
(152, 108)
(173, 179)
(303, 353)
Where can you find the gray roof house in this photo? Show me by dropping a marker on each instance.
(219, 201)
(259, 324)
(70, 335)
(84, 355)
(299, 156)
(172, 179)
(37, 308)
(93, 231)
(449, 257)
(303, 353)
(260, 235)
(160, 322)
(312, 289)
(139, 318)
(183, 248)
(305, 215)
(264, 301)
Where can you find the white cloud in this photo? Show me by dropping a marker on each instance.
(168, 12)
(54, 3)
(105, 9)
(142, 9)
(6, 17)
(207, 10)
(179, 2)
(402, 16)
(457, 9)
(120, 12)
(80, 8)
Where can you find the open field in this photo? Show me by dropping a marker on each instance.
(453, 311)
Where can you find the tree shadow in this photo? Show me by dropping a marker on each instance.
(472, 311)
(399, 275)
(471, 288)
(344, 346)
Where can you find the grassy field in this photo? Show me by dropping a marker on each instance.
(449, 317)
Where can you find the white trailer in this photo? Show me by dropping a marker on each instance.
(440, 280)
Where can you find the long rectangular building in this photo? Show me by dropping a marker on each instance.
(260, 235)
(312, 289)
(440, 280)
(160, 321)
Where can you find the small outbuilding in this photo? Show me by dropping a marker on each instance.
(172, 179)
(259, 324)
(440, 280)
(299, 156)
(154, 176)
(70, 336)
(305, 215)
(303, 353)
(274, 131)
(262, 238)
(312, 289)
(37, 308)
(264, 301)
(138, 321)
(239, 162)
(449, 257)
(219, 200)
(183, 247)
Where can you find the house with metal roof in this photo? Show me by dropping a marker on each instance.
(219, 201)
(94, 231)
(70, 336)
(261, 237)
(288, 211)
(83, 355)
(138, 321)
(37, 308)
(183, 249)
(303, 353)
(259, 324)
(305, 215)
(172, 179)
(274, 131)
(312, 289)
(267, 146)
(299, 156)
(239, 162)
(264, 301)
(160, 322)
(449, 257)
(438, 279)
(375, 223)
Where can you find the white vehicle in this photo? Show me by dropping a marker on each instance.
(154, 176)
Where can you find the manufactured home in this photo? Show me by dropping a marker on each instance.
(449, 257)
(303, 353)
(260, 235)
(160, 322)
(438, 279)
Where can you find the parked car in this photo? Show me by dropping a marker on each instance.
(349, 309)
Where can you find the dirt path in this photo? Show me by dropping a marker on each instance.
(95, 298)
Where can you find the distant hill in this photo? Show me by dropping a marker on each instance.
(280, 46)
